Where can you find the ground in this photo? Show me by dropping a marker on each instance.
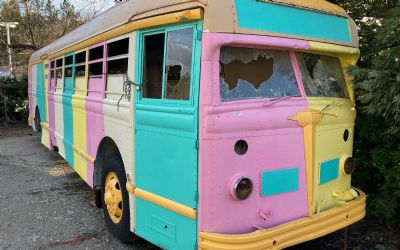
(45, 205)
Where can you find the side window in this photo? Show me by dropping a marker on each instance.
(80, 69)
(117, 57)
(68, 66)
(52, 75)
(117, 66)
(59, 74)
(167, 65)
(46, 71)
(247, 73)
(96, 62)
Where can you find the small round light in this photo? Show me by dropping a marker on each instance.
(349, 166)
(242, 189)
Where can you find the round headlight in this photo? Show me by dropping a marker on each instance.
(242, 188)
(349, 165)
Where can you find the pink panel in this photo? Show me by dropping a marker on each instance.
(275, 142)
(51, 106)
(30, 100)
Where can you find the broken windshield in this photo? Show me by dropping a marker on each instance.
(256, 73)
(322, 76)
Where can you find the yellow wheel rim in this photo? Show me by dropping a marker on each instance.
(113, 197)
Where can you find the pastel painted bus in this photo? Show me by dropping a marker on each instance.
(207, 124)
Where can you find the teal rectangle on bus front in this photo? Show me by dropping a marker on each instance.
(279, 181)
(329, 170)
(259, 15)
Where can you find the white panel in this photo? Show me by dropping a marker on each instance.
(118, 121)
(59, 116)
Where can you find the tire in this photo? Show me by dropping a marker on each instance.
(38, 122)
(119, 226)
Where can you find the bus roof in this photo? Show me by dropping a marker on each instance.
(219, 16)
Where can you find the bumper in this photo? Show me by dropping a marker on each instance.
(290, 233)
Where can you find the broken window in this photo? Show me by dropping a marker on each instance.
(68, 72)
(80, 71)
(117, 48)
(96, 53)
(179, 64)
(256, 73)
(153, 66)
(96, 69)
(69, 60)
(80, 57)
(322, 76)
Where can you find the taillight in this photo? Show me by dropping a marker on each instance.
(349, 166)
(242, 188)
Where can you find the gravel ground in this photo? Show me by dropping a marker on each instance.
(46, 205)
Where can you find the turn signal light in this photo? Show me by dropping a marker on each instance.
(349, 165)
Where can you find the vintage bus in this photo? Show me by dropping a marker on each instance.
(207, 124)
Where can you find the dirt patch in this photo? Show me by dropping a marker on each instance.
(16, 129)
(74, 241)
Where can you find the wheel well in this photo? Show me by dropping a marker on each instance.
(106, 147)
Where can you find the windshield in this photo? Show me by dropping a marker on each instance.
(322, 76)
(256, 73)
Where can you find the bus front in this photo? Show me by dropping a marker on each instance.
(277, 117)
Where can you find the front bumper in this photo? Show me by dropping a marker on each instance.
(290, 233)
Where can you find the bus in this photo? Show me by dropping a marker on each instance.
(206, 124)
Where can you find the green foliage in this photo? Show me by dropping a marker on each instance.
(377, 86)
(13, 98)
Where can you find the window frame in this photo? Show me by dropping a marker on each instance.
(117, 57)
(56, 86)
(140, 64)
(81, 64)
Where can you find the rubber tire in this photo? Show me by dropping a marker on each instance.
(121, 231)
(38, 121)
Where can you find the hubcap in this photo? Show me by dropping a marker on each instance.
(113, 197)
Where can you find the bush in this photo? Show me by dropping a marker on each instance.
(13, 99)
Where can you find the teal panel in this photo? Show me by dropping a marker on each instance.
(40, 92)
(279, 181)
(164, 228)
(69, 83)
(166, 162)
(329, 170)
(258, 15)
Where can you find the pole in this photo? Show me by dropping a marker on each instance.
(9, 25)
(9, 50)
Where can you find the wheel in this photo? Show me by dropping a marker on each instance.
(115, 199)
(38, 122)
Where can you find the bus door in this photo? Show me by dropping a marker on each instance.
(166, 133)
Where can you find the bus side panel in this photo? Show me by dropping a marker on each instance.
(46, 132)
(32, 93)
(69, 83)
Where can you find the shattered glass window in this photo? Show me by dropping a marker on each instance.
(247, 73)
(322, 76)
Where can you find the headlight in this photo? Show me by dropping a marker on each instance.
(349, 166)
(242, 188)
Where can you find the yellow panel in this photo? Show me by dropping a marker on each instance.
(329, 144)
(321, 5)
(79, 120)
(291, 233)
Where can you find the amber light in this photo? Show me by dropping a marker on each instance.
(349, 166)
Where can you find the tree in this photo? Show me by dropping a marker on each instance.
(377, 86)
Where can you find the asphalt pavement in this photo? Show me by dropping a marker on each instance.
(46, 205)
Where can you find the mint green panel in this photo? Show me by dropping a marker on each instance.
(69, 83)
(40, 93)
(279, 181)
(166, 155)
(164, 228)
(259, 15)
